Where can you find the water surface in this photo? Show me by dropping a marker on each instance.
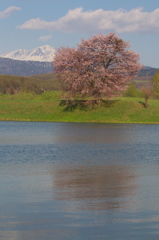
(79, 181)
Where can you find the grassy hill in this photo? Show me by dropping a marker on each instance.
(31, 107)
(24, 99)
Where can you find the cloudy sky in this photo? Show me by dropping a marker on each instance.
(26, 24)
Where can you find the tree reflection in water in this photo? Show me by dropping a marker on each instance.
(95, 187)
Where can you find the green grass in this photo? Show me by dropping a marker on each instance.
(45, 107)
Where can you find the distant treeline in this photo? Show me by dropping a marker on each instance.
(38, 83)
(10, 84)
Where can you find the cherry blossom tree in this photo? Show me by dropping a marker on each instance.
(99, 67)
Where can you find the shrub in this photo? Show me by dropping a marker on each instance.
(132, 91)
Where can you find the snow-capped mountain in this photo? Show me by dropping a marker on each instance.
(42, 54)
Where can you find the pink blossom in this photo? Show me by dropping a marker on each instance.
(99, 67)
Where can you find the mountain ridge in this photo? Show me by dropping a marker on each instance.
(24, 68)
(42, 54)
(27, 68)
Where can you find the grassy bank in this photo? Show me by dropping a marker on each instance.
(45, 107)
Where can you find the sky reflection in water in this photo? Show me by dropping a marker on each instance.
(78, 181)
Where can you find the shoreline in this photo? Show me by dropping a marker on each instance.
(97, 122)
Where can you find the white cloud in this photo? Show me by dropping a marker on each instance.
(45, 38)
(7, 12)
(120, 21)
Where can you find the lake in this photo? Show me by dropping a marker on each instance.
(80, 181)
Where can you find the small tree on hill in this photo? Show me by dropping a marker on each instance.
(155, 84)
(146, 94)
(99, 67)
